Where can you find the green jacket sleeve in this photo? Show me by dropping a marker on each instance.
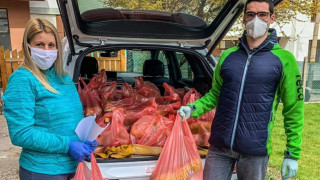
(19, 109)
(291, 94)
(210, 100)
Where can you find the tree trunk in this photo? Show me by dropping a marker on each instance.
(200, 12)
(315, 38)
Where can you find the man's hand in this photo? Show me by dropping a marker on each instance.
(185, 111)
(291, 165)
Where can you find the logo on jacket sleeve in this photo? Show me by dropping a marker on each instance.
(299, 87)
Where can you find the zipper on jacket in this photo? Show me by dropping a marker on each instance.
(239, 100)
(250, 54)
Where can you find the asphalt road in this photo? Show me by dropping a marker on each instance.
(9, 154)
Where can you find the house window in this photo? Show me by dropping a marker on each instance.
(4, 29)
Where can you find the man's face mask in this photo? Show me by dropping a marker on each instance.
(256, 27)
(43, 58)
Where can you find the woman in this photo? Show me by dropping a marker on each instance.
(42, 108)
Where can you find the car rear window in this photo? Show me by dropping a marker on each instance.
(192, 14)
(179, 69)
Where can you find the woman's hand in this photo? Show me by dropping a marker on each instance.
(93, 144)
(79, 150)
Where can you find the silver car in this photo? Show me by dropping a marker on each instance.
(173, 47)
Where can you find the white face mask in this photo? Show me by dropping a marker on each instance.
(43, 58)
(256, 27)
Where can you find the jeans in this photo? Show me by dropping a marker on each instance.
(28, 175)
(220, 163)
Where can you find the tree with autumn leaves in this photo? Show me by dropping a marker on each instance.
(205, 9)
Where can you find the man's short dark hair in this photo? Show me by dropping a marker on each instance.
(270, 2)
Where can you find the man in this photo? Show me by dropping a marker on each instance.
(248, 83)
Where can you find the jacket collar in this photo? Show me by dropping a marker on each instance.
(266, 45)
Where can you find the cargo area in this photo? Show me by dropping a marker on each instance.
(138, 92)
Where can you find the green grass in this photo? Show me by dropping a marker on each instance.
(309, 164)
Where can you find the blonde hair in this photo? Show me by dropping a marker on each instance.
(34, 27)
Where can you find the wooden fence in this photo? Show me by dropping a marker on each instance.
(117, 63)
(8, 64)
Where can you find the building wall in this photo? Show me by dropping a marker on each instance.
(49, 17)
(48, 9)
(18, 16)
(54, 19)
(60, 27)
(20, 12)
(297, 36)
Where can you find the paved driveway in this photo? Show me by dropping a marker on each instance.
(9, 154)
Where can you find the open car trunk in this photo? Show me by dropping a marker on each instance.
(165, 48)
(182, 70)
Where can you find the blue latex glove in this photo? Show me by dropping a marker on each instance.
(291, 165)
(79, 150)
(185, 111)
(92, 145)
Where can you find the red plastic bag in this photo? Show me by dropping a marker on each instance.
(84, 173)
(179, 159)
(155, 134)
(116, 134)
(138, 110)
(201, 132)
(140, 127)
(106, 91)
(91, 100)
(191, 96)
(180, 91)
(98, 79)
(109, 106)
